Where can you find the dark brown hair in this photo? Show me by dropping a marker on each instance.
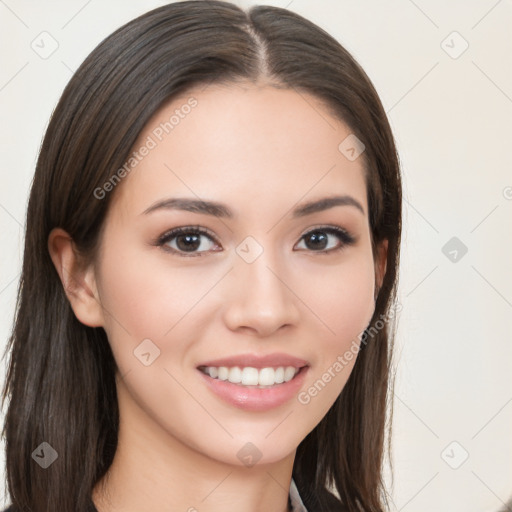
(61, 375)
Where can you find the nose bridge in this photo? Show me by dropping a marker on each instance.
(261, 278)
(261, 299)
(258, 280)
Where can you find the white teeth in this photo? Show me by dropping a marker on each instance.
(222, 371)
(235, 375)
(289, 373)
(267, 377)
(249, 376)
(279, 375)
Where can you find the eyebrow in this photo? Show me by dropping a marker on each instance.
(221, 210)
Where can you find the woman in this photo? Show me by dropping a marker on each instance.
(209, 273)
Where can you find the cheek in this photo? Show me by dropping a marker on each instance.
(343, 302)
(341, 298)
(145, 295)
(150, 298)
(351, 303)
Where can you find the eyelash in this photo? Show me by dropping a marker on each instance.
(346, 239)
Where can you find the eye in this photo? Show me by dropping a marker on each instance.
(188, 241)
(194, 241)
(323, 239)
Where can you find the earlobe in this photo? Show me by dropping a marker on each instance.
(78, 280)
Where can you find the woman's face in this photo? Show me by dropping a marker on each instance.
(256, 277)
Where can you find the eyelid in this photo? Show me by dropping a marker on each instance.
(334, 227)
(180, 229)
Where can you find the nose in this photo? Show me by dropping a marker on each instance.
(261, 301)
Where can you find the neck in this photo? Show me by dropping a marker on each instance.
(153, 470)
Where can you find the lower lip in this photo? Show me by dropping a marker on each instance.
(256, 399)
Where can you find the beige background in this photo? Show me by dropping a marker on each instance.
(451, 112)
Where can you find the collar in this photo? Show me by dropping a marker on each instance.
(295, 499)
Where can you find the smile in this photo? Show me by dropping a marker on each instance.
(252, 377)
(254, 397)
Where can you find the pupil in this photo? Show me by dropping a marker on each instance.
(318, 238)
(192, 242)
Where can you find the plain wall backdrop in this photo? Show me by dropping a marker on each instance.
(443, 71)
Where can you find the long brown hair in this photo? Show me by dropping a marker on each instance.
(61, 374)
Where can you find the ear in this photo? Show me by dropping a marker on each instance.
(78, 280)
(380, 265)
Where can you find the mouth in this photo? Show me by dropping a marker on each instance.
(256, 384)
(251, 377)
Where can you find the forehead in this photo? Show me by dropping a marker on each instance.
(242, 142)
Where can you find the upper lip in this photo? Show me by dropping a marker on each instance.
(257, 361)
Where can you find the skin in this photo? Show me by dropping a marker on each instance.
(261, 151)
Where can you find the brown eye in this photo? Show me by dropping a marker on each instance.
(327, 239)
(189, 240)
